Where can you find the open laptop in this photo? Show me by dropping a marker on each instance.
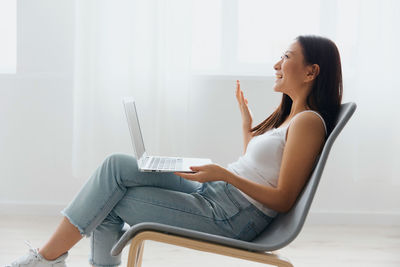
(148, 163)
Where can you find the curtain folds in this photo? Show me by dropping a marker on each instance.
(143, 49)
(129, 48)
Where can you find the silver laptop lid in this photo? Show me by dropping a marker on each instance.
(134, 128)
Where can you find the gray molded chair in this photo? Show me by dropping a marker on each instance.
(281, 231)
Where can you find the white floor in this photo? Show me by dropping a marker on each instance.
(317, 245)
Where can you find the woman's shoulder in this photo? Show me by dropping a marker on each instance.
(309, 119)
(306, 124)
(305, 131)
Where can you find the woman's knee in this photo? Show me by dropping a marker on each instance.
(120, 166)
(120, 160)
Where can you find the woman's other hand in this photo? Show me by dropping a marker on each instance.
(247, 117)
(205, 173)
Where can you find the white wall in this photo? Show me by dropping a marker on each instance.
(36, 129)
(36, 109)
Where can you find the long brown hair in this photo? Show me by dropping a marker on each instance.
(326, 93)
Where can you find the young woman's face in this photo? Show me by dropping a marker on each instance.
(290, 70)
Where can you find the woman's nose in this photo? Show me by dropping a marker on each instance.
(277, 65)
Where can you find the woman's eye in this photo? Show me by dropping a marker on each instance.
(284, 56)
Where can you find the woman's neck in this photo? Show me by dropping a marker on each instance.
(298, 107)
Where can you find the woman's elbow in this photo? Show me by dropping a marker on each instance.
(284, 204)
(282, 208)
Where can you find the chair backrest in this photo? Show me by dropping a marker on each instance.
(286, 226)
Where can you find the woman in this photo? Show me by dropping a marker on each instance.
(238, 201)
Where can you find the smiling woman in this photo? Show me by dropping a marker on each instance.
(237, 202)
(276, 164)
(310, 59)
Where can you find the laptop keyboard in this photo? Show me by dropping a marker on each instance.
(159, 163)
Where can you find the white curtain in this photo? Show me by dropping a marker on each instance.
(129, 48)
(144, 49)
(368, 33)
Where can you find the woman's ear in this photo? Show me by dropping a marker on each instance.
(312, 72)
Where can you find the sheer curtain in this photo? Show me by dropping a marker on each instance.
(129, 48)
(150, 49)
(367, 33)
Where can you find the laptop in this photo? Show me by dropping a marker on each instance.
(147, 163)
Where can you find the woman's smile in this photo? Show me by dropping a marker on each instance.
(278, 76)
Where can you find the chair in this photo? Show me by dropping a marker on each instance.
(281, 231)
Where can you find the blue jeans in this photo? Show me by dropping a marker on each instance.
(118, 193)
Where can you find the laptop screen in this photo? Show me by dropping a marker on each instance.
(134, 127)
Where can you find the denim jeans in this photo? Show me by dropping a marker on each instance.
(118, 193)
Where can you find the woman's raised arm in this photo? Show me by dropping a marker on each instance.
(247, 118)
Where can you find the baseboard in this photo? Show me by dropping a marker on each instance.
(353, 218)
(40, 209)
(314, 217)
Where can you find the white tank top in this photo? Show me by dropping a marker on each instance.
(262, 161)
